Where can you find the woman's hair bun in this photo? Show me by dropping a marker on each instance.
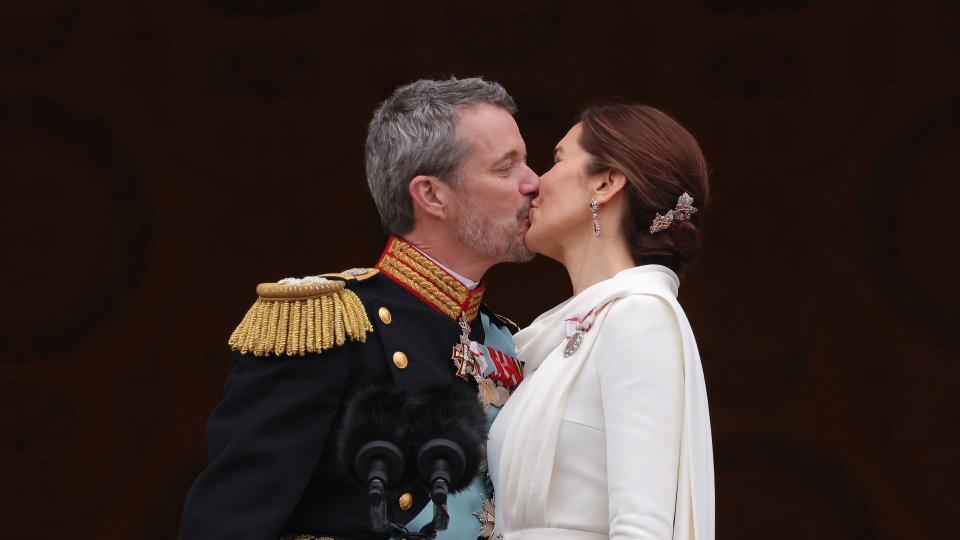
(676, 247)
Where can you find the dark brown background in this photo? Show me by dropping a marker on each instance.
(158, 159)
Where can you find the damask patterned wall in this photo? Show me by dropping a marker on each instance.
(158, 159)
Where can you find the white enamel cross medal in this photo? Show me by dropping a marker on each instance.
(462, 359)
(574, 328)
(462, 354)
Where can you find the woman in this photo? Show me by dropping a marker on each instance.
(609, 434)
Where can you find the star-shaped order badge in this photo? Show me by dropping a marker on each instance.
(487, 517)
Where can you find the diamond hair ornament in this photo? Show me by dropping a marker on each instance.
(681, 213)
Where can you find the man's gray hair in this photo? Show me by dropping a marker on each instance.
(414, 132)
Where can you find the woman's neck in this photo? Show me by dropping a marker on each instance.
(592, 260)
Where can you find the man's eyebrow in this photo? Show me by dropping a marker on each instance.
(507, 156)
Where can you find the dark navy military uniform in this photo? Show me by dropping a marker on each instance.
(273, 469)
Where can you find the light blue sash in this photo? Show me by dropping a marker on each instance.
(463, 524)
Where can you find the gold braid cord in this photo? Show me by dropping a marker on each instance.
(301, 319)
(415, 271)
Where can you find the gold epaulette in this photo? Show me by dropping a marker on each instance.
(300, 319)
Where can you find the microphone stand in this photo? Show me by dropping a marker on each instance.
(439, 462)
(428, 532)
(380, 433)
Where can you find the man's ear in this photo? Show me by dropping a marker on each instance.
(431, 195)
(608, 184)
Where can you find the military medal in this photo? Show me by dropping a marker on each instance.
(469, 360)
(487, 391)
(573, 343)
(487, 517)
(463, 356)
(461, 359)
(574, 329)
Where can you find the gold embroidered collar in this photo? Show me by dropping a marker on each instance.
(414, 271)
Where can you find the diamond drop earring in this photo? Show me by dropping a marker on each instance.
(594, 206)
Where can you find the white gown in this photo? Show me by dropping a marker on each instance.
(614, 440)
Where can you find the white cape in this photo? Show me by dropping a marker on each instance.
(526, 463)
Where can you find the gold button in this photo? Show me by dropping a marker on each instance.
(385, 315)
(400, 360)
(406, 501)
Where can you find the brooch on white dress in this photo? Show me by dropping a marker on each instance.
(574, 328)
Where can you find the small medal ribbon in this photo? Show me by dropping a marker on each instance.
(506, 368)
(574, 328)
(582, 324)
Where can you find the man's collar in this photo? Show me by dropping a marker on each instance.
(428, 280)
(467, 282)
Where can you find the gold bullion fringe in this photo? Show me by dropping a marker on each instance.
(298, 327)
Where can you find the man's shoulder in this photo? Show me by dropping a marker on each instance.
(309, 315)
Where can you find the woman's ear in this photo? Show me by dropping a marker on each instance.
(609, 184)
(430, 196)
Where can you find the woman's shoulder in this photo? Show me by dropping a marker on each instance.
(641, 304)
(641, 314)
(641, 330)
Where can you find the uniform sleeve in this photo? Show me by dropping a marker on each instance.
(264, 438)
(640, 363)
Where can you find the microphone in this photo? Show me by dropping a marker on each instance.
(448, 434)
(435, 436)
(373, 445)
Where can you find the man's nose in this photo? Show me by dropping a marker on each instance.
(530, 185)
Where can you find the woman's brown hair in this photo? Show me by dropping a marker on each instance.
(661, 160)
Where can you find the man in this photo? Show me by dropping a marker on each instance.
(447, 169)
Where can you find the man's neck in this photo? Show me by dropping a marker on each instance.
(451, 253)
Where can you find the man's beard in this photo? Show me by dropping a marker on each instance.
(502, 242)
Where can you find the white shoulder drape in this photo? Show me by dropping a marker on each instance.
(526, 463)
